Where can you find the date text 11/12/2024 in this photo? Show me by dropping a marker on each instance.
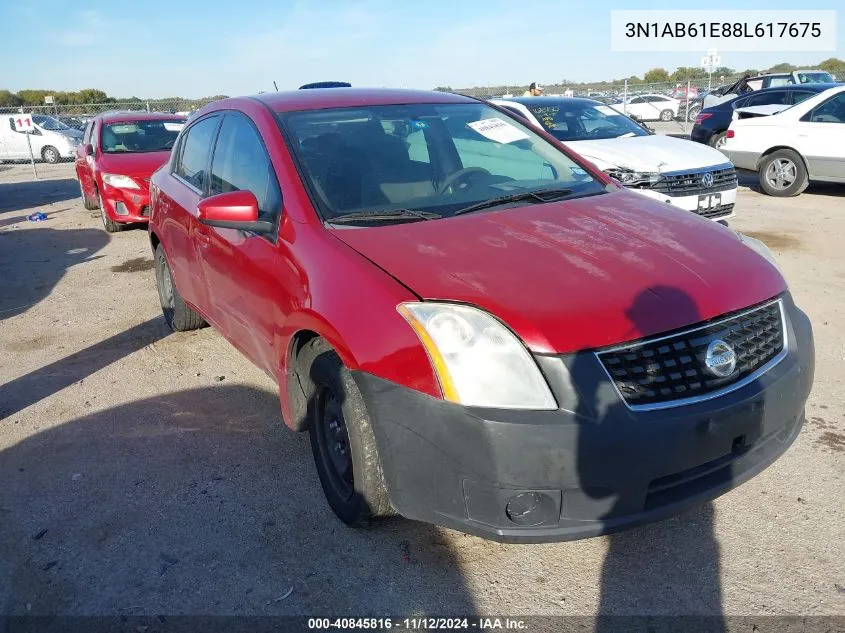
(417, 624)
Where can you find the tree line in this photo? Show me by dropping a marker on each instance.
(86, 96)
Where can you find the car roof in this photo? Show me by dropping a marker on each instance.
(132, 115)
(324, 98)
(814, 87)
(561, 101)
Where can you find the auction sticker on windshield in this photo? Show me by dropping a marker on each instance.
(498, 130)
(606, 110)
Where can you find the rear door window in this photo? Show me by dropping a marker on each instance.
(192, 165)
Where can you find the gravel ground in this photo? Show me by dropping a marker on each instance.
(145, 472)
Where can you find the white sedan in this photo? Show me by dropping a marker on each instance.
(791, 147)
(649, 107)
(687, 175)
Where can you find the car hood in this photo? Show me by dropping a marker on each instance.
(576, 274)
(139, 164)
(655, 152)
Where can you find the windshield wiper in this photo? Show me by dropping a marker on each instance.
(383, 214)
(544, 195)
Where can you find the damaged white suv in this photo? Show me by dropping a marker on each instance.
(688, 175)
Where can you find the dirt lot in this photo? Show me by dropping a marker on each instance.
(145, 472)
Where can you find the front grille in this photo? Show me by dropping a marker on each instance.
(666, 370)
(716, 212)
(689, 183)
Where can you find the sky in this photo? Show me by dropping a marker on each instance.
(195, 48)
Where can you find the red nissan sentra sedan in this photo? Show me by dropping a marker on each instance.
(118, 154)
(478, 328)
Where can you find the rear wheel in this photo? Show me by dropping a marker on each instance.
(179, 316)
(783, 174)
(667, 115)
(718, 140)
(342, 440)
(693, 113)
(51, 155)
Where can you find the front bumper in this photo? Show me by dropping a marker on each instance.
(700, 205)
(594, 466)
(126, 205)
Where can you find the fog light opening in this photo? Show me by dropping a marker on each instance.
(529, 508)
(120, 208)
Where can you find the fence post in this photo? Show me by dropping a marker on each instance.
(625, 98)
(686, 111)
(148, 106)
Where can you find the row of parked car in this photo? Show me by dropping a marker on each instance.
(476, 323)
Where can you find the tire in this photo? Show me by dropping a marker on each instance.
(89, 204)
(783, 174)
(667, 115)
(693, 113)
(50, 155)
(179, 316)
(717, 140)
(108, 224)
(342, 440)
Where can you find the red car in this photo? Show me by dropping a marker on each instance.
(478, 328)
(118, 154)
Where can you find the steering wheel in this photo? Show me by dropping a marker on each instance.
(459, 175)
(599, 131)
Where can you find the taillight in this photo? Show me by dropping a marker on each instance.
(702, 116)
(729, 134)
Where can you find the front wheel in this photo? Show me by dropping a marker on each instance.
(108, 224)
(179, 316)
(693, 113)
(89, 204)
(342, 440)
(51, 155)
(783, 174)
(667, 115)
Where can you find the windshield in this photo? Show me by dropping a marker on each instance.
(584, 122)
(140, 136)
(815, 78)
(437, 158)
(48, 123)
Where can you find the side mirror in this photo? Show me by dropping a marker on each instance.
(232, 210)
(89, 149)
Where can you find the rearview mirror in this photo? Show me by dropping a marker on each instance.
(232, 210)
(89, 149)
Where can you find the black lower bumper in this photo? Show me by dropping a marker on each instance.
(590, 468)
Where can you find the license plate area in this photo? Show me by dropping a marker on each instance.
(709, 201)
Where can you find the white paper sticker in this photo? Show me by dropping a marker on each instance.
(498, 130)
(174, 126)
(606, 110)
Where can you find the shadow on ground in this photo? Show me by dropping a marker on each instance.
(26, 195)
(199, 502)
(751, 180)
(33, 260)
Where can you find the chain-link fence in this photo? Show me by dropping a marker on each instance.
(47, 149)
(669, 107)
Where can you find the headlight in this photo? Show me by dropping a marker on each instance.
(478, 361)
(761, 249)
(631, 178)
(120, 181)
